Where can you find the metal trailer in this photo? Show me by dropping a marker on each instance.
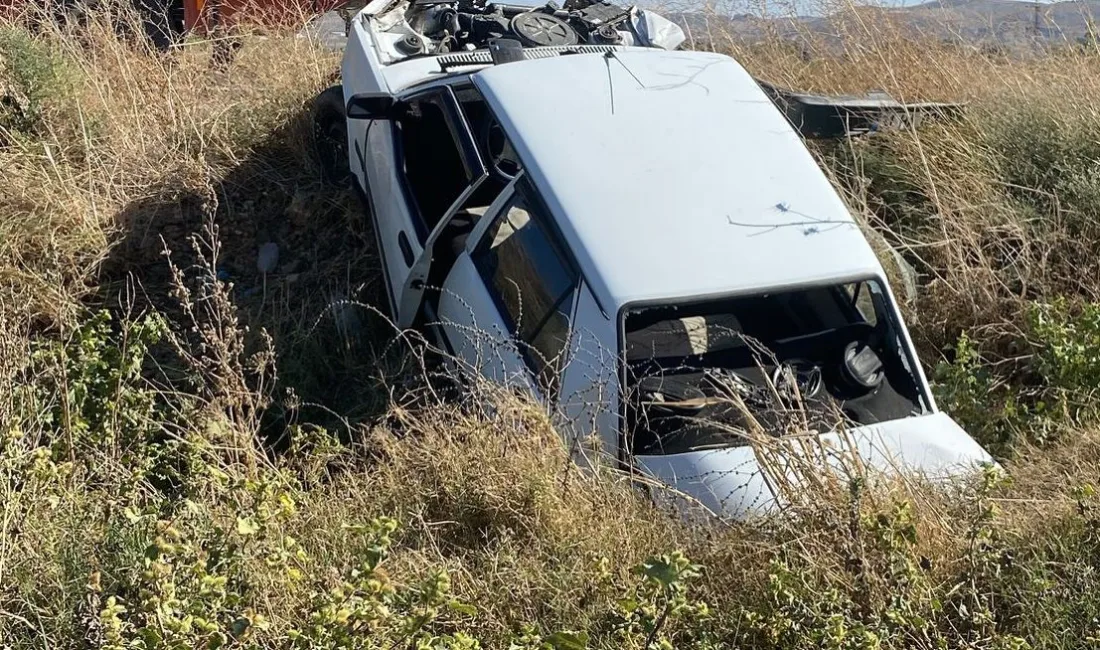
(202, 15)
(177, 17)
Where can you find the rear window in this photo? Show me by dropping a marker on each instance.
(706, 375)
(685, 331)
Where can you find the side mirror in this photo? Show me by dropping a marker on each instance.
(370, 107)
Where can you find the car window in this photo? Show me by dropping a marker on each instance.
(859, 295)
(492, 143)
(533, 283)
(430, 156)
(704, 374)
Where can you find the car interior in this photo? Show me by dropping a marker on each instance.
(698, 376)
(435, 173)
(432, 162)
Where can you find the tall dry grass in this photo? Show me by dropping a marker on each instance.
(111, 124)
(172, 476)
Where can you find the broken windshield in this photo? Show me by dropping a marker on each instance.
(710, 374)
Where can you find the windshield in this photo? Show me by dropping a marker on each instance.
(710, 374)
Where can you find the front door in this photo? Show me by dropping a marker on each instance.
(417, 166)
(507, 305)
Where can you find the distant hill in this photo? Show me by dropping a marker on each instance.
(1000, 19)
(960, 20)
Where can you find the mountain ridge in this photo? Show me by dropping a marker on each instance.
(973, 21)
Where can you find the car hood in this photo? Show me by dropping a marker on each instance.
(730, 481)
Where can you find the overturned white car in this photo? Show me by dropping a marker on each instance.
(637, 234)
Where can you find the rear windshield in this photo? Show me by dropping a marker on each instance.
(696, 374)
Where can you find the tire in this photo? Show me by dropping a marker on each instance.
(330, 136)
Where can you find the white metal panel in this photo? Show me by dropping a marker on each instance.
(361, 73)
(361, 68)
(395, 73)
(911, 360)
(671, 174)
(588, 400)
(416, 72)
(476, 331)
(391, 212)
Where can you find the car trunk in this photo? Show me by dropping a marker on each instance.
(733, 482)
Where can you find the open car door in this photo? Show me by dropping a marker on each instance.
(417, 163)
(411, 295)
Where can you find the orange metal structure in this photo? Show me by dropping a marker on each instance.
(192, 13)
(201, 15)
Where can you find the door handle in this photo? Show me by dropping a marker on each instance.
(406, 248)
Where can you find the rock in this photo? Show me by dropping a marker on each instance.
(292, 266)
(268, 258)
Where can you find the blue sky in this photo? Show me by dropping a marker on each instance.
(772, 7)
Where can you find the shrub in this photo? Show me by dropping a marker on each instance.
(90, 389)
(1054, 393)
(34, 80)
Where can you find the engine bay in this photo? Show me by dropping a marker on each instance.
(432, 27)
(795, 362)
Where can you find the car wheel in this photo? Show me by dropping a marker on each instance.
(330, 136)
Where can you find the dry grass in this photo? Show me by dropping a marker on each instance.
(121, 125)
(216, 445)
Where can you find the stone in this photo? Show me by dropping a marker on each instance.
(268, 258)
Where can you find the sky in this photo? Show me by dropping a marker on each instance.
(774, 7)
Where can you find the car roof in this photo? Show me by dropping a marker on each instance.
(672, 175)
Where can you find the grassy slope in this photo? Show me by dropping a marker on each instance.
(140, 397)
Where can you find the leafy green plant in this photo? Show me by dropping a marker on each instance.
(1068, 358)
(33, 77)
(187, 592)
(91, 387)
(658, 604)
(972, 598)
(1058, 391)
(880, 592)
(982, 403)
(366, 609)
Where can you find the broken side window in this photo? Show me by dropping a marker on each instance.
(533, 283)
(492, 145)
(709, 374)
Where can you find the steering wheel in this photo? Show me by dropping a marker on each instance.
(502, 157)
(797, 378)
(861, 366)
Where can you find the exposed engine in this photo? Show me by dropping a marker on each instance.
(439, 27)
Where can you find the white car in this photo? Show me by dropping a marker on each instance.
(637, 234)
